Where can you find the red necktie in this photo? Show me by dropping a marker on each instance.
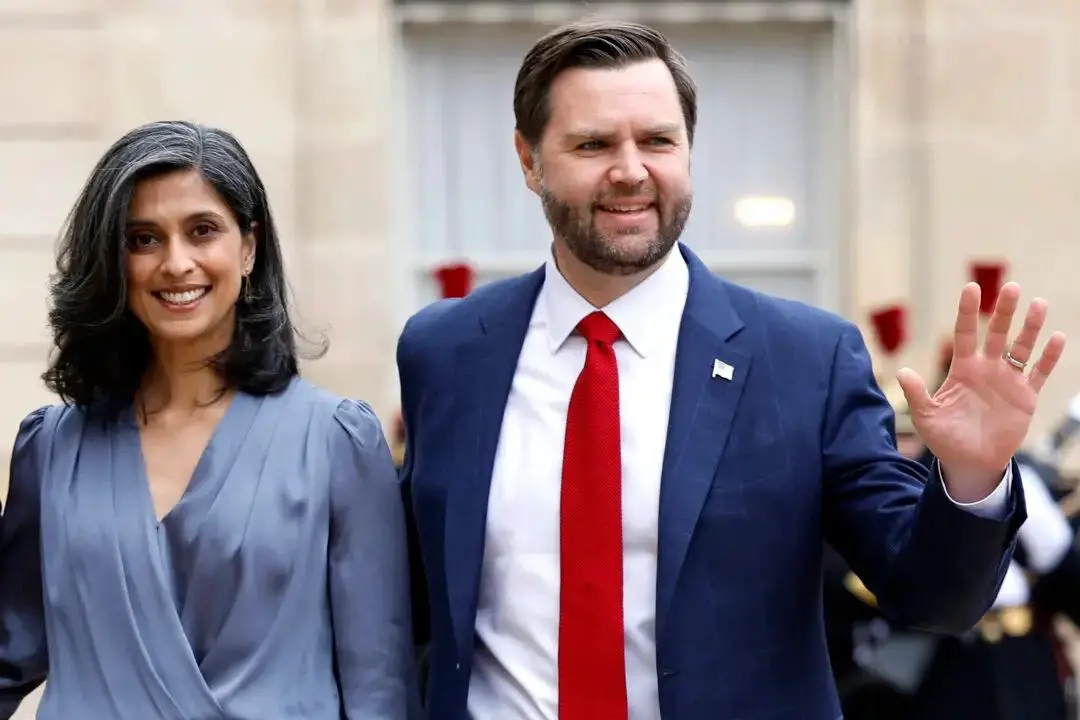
(592, 666)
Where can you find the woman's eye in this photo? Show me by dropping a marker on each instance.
(140, 241)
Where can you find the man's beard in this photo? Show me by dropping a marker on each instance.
(605, 254)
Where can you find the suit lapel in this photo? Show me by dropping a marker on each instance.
(485, 370)
(703, 408)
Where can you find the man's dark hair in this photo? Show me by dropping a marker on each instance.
(102, 351)
(593, 44)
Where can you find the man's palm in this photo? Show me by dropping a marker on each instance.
(977, 419)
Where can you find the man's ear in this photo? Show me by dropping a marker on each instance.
(528, 156)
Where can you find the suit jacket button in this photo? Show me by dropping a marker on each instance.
(457, 666)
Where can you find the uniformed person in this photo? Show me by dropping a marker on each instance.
(1009, 667)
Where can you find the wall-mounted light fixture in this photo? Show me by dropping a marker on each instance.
(764, 211)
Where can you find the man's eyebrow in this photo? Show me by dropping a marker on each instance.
(664, 129)
(589, 134)
(595, 134)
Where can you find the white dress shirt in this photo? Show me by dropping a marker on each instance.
(515, 671)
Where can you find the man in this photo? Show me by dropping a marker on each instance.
(630, 526)
(1007, 667)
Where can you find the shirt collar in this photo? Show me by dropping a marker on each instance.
(644, 314)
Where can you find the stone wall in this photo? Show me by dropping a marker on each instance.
(962, 146)
(965, 146)
(304, 85)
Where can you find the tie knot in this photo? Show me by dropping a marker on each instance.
(598, 327)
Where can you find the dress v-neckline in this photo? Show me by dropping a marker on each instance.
(196, 474)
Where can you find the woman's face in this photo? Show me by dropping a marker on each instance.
(186, 259)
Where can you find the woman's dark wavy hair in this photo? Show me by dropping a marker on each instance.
(102, 351)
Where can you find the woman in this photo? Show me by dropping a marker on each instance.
(196, 533)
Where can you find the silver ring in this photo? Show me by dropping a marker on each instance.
(1019, 365)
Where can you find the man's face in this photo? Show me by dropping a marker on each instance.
(613, 166)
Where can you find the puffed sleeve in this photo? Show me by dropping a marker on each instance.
(369, 573)
(23, 655)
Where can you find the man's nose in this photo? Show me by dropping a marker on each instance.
(628, 168)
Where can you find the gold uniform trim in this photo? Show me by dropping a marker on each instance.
(856, 587)
(1013, 621)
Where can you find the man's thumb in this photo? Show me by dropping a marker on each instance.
(915, 392)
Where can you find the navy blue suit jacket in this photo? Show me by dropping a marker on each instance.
(796, 447)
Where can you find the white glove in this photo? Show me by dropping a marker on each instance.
(1073, 410)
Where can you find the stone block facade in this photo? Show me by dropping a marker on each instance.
(304, 85)
(963, 145)
(962, 114)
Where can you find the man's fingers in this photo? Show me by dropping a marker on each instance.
(997, 332)
(1047, 361)
(1023, 347)
(966, 331)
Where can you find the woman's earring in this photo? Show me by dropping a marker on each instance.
(247, 288)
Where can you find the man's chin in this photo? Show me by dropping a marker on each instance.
(622, 262)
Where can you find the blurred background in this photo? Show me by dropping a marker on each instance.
(865, 156)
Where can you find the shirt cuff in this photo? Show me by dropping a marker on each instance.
(992, 507)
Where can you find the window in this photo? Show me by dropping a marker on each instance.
(763, 161)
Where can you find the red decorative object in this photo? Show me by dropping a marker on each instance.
(989, 276)
(455, 280)
(890, 324)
